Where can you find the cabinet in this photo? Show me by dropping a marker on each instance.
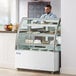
(7, 50)
(37, 46)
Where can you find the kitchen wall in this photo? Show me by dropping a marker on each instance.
(13, 11)
(4, 12)
(68, 24)
(56, 7)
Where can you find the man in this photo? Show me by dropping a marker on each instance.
(48, 14)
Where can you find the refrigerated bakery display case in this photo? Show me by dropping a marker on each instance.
(37, 44)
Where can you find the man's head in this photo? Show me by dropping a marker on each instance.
(48, 9)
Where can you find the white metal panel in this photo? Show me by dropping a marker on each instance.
(37, 60)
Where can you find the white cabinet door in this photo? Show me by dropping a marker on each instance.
(7, 50)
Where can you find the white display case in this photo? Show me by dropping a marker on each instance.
(37, 45)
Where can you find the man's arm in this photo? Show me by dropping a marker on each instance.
(43, 16)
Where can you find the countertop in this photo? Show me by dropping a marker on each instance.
(8, 31)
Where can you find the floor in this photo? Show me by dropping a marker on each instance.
(10, 72)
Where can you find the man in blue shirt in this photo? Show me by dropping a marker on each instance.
(48, 14)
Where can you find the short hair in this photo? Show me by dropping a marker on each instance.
(48, 6)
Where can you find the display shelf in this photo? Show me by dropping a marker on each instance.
(38, 40)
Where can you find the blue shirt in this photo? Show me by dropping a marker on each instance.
(48, 16)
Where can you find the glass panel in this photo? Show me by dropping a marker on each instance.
(37, 36)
